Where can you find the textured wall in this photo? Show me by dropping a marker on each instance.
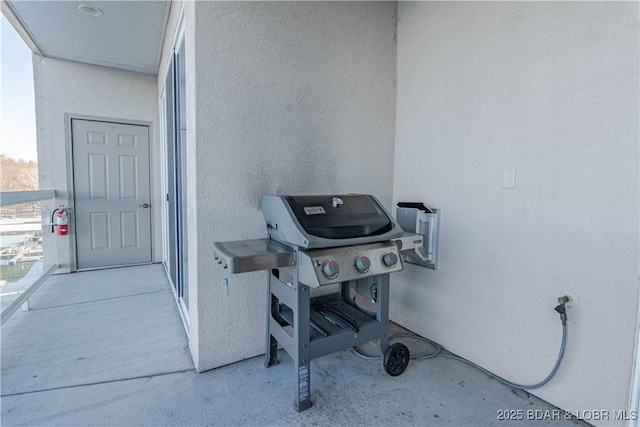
(550, 89)
(170, 36)
(289, 98)
(63, 87)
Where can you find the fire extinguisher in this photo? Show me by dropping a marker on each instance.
(60, 221)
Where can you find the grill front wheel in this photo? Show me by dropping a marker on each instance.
(396, 359)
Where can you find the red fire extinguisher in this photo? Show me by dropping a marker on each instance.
(60, 220)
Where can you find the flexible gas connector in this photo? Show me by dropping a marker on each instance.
(561, 308)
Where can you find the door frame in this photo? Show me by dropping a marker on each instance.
(153, 190)
(178, 38)
(170, 248)
(164, 220)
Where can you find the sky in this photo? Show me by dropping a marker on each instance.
(17, 102)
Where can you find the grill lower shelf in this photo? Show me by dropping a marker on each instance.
(329, 317)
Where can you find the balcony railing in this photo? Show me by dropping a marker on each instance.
(24, 216)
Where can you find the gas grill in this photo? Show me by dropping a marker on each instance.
(322, 255)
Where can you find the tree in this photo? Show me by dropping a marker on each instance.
(18, 175)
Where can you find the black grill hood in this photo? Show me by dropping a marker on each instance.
(322, 221)
(357, 216)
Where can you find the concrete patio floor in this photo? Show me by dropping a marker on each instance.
(108, 348)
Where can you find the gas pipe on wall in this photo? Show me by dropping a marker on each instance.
(60, 221)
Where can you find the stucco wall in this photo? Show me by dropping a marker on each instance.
(169, 40)
(64, 87)
(550, 89)
(289, 98)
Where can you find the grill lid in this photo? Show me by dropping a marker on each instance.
(340, 217)
(328, 221)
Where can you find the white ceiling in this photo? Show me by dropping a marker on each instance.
(128, 35)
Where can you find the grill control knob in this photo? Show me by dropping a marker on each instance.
(390, 259)
(330, 269)
(362, 264)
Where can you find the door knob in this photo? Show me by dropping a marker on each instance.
(146, 205)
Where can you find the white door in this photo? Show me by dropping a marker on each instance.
(111, 193)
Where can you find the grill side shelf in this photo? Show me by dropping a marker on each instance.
(243, 256)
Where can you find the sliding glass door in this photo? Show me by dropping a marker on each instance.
(181, 175)
(175, 130)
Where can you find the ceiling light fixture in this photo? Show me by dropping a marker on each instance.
(87, 9)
